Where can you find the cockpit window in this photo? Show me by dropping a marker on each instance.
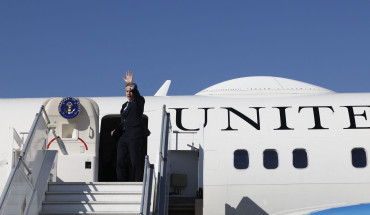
(241, 159)
(300, 158)
(270, 159)
(359, 157)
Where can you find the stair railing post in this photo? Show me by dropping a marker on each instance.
(144, 193)
(161, 199)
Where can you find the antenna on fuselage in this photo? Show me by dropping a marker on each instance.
(164, 89)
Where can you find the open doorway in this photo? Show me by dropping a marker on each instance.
(108, 147)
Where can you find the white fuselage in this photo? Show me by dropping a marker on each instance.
(327, 127)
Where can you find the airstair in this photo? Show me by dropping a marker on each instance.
(92, 198)
(32, 189)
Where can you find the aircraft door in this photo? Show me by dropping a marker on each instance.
(108, 148)
(74, 133)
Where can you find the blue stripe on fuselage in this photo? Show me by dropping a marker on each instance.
(362, 209)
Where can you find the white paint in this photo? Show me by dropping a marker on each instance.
(329, 180)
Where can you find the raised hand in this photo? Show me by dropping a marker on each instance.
(129, 77)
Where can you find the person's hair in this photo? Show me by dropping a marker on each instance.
(129, 85)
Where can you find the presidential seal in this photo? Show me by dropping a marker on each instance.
(69, 107)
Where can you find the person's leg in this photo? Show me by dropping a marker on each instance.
(122, 152)
(136, 148)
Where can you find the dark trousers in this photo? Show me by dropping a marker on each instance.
(134, 149)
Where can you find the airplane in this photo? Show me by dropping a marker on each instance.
(251, 145)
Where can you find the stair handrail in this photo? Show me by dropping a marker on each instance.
(39, 124)
(161, 195)
(16, 139)
(147, 187)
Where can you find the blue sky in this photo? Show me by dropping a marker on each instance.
(82, 48)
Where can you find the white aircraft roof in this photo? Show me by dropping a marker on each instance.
(262, 85)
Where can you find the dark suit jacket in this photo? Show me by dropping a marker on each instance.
(131, 121)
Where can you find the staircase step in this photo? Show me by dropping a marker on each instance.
(92, 196)
(89, 213)
(95, 186)
(181, 209)
(126, 206)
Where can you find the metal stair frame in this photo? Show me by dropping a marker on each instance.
(36, 174)
(26, 185)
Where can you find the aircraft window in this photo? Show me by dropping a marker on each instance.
(300, 158)
(241, 159)
(270, 159)
(359, 157)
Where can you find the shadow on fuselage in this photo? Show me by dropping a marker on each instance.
(245, 207)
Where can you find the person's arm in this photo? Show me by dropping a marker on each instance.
(136, 92)
(139, 99)
(137, 96)
(129, 80)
